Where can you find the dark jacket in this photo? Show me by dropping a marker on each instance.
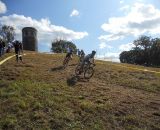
(17, 46)
(1, 46)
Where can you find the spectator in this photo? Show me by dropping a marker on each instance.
(9, 47)
(18, 50)
(1, 47)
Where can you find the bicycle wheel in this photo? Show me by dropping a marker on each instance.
(65, 64)
(88, 73)
(77, 70)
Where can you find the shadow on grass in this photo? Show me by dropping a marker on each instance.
(72, 80)
(4, 84)
(75, 79)
(57, 68)
(72, 65)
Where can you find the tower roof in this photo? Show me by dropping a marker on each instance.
(29, 28)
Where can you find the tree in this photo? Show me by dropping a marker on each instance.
(59, 46)
(143, 42)
(7, 33)
(145, 52)
(155, 52)
(123, 57)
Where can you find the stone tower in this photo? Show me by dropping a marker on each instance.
(29, 39)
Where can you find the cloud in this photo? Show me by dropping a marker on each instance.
(138, 20)
(125, 8)
(74, 13)
(110, 56)
(3, 7)
(46, 30)
(110, 37)
(103, 45)
(126, 47)
(121, 2)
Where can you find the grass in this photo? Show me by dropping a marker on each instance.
(5, 56)
(36, 95)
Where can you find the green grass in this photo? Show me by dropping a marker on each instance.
(47, 106)
(36, 95)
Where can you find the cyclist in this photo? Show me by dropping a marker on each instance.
(79, 53)
(82, 55)
(89, 59)
(69, 55)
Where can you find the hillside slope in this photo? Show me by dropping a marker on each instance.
(39, 95)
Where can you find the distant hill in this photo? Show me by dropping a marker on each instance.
(38, 95)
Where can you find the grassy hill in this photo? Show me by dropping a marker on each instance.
(39, 95)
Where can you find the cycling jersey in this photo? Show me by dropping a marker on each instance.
(69, 54)
(88, 58)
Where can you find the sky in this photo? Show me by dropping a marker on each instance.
(109, 27)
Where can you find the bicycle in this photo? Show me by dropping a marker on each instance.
(66, 61)
(88, 70)
(81, 59)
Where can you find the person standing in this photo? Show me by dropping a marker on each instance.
(9, 48)
(1, 47)
(18, 50)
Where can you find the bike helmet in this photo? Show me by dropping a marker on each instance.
(93, 52)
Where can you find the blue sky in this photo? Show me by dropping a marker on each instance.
(106, 26)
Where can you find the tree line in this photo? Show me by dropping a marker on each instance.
(146, 52)
(61, 46)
